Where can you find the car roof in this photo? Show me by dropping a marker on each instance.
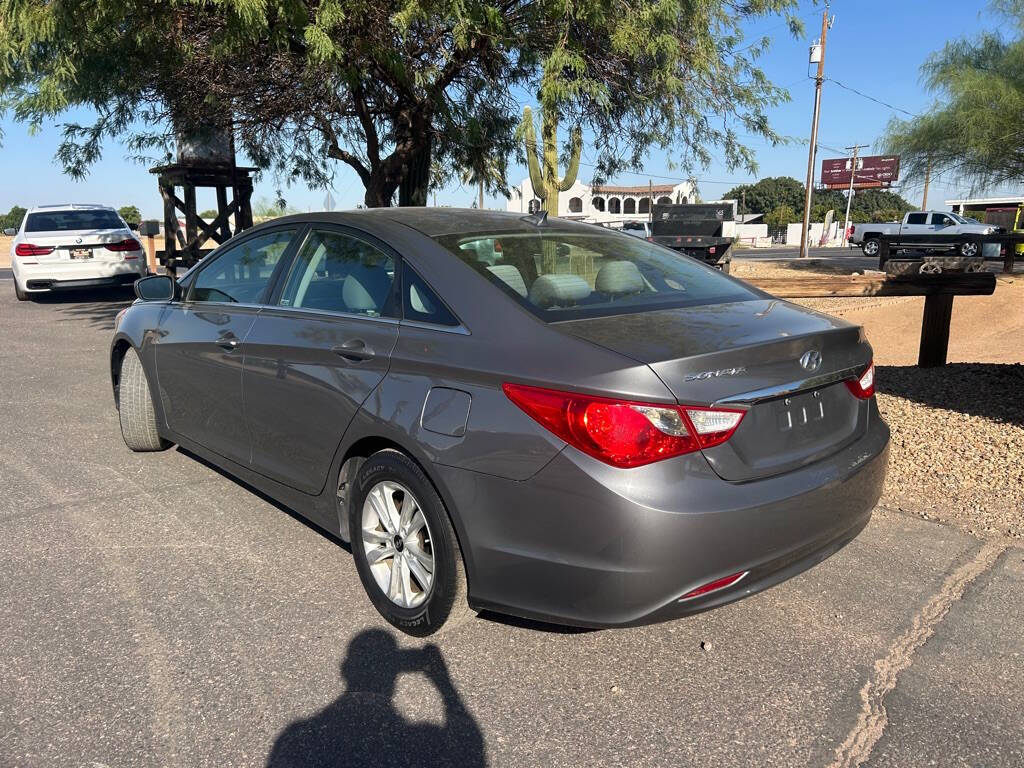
(436, 222)
(70, 207)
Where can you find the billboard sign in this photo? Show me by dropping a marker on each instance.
(872, 171)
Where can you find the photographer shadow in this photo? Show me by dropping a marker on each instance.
(362, 727)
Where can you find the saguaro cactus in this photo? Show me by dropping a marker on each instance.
(546, 184)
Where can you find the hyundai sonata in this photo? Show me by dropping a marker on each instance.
(579, 427)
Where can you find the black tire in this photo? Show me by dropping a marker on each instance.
(19, 294)
(135, 407)
(446, 602)
(871, 246)
(726, 267)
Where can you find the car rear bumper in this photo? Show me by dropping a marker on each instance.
(587, 544)
(55, 277)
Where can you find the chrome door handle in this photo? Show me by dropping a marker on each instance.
(228, 342)
(354, 350)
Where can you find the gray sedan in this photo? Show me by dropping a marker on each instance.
(538, 417)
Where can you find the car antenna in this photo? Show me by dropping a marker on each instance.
(538, 219)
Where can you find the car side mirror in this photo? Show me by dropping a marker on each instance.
(10, 232)
(157, 288)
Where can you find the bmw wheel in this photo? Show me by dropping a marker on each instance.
(19, 294)
(404, 546)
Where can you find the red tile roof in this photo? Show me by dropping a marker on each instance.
(658, 189)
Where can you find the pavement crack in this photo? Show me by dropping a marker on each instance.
(873, 717)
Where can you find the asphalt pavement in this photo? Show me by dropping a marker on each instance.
(154, 612)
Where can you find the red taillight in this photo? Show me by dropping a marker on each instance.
(130, 244)
(27, 249)
(624, 433)
(863, 386)
(714, 586)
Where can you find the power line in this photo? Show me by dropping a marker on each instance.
(872, 98)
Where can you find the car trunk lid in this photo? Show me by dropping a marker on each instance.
(85, 246)
(747, 355)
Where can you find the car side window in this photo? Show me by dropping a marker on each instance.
(420, 302)
(917, 218)
(242, 273)
(337, 272)
(941, 219)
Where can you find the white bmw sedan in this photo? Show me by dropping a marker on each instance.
(74, 246)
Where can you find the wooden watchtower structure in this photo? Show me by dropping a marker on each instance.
(185, 248)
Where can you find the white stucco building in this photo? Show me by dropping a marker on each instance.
(606, 203)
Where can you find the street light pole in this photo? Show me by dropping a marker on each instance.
(849, 196)
(818, 80)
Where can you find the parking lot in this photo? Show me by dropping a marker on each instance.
(156, 612)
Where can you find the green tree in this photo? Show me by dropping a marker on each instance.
(264, 209)
(12, 219)
(770, 193)
(974, 131)
(780, 217)
(131, 216)
(208, 215)
(392, 89)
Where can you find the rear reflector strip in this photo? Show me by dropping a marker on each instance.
(714, 586)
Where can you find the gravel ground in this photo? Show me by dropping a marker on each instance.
(957, 444)
(957, 432)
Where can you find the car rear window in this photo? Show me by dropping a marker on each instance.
(565, 275)
(64, 221)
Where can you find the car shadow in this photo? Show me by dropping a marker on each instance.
(95, 308)
(989, 390)
(362, 726)
(268, 499)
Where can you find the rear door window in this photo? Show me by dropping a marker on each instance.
(420, 303)
(336, 272)
(917, 218)
(241, 273)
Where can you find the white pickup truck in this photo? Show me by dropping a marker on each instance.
(922, 223)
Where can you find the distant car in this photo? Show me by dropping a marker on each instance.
(62, 247)
(593, 429)
(640, 229)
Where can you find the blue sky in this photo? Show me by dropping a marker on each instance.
(874, 47)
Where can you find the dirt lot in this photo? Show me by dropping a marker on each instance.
(5, 250)
(958, 431)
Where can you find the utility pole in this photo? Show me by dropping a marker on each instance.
(818, 80)
(743, 205)
(927, 180)
(849, 198)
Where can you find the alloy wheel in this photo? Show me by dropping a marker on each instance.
(397, 543)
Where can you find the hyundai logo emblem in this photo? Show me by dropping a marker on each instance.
(810, 360)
